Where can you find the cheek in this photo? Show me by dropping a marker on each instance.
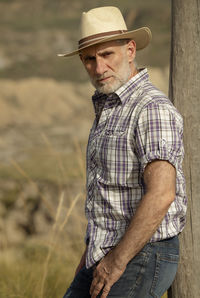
(117, 63)
(89, 69)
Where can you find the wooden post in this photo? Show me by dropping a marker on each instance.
(184, 90)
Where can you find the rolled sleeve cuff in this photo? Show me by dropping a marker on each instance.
(170, 156)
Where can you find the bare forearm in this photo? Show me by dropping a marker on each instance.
(159, 179)
(142, 226)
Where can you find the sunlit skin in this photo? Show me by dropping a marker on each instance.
(110, 64)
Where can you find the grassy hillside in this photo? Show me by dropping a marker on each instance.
(33, 32)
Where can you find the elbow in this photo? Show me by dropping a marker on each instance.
(169, 198)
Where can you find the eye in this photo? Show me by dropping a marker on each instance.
(107, 54)
(89, 59)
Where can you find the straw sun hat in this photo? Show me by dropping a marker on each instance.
(104, 24)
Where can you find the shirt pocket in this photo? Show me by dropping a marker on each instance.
(115, 158)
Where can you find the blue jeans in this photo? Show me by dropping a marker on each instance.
(149, 274)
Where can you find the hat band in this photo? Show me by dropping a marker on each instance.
(92, 38)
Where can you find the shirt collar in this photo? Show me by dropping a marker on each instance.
(125, 91)
(122, 94)
(104, 101)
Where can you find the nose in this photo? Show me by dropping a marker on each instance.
(100, 66)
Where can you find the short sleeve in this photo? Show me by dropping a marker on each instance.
(159, 135)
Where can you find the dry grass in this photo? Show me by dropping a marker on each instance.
(44, 266)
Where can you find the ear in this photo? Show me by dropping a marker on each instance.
(131, 50)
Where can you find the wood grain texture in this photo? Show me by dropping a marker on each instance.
(185, 94)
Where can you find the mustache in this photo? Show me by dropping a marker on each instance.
(104, 76)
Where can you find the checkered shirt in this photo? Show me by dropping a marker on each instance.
(134, 126)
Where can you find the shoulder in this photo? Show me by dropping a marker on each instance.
(154, 102)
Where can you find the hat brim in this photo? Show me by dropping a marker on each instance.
(141, 36)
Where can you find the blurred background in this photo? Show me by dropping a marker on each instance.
(45, 117)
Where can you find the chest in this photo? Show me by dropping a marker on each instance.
(110, 154)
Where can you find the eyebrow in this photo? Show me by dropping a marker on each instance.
(106, 52)
(103, 53)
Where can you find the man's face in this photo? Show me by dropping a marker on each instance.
(109, 65)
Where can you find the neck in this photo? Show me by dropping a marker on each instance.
(134, 71)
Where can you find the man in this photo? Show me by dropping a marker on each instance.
(136, 201)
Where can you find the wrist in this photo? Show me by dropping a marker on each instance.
(121, 257)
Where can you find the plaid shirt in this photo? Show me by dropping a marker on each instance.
(134, 126)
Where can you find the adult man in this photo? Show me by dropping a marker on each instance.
(136, 200)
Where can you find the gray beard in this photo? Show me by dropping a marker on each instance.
(110, 88)
(120, 79)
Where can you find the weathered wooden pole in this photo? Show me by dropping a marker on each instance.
(184, 90)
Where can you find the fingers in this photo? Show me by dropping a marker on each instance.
(97, 287)
(104, 276)
(105, 291)
(98, 283)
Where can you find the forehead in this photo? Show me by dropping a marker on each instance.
(103, 47)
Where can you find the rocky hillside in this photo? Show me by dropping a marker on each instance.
(33, 32)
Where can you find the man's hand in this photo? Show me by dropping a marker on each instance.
(107, 272)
